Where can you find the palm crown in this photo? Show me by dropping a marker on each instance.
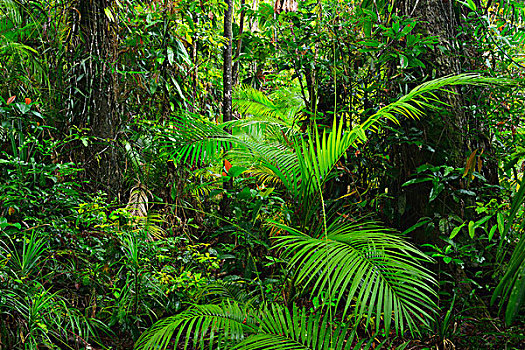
(371, 271)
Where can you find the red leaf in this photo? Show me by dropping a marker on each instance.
(28, 101)
(11, 99)
(227, 165)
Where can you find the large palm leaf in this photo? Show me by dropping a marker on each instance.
(219, 325)
(379, 272)
(193, 139)
(322, 151)
(281, 328)
(190, 139)
(232, 326)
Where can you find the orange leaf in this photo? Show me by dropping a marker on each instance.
(480, 164)
(227, 165)
(11, 99)
(471, 165)
(28, 101)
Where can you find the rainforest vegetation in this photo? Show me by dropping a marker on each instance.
(260, 174)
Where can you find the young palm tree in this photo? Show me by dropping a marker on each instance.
(368, 269)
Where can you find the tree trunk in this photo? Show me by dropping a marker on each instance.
(94, 92)
(227, 66)
(235, 70)
(454, 133)
(448, 132)
(227, 87)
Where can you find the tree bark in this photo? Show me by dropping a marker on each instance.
(94, 93)
(227, 89)
(448, 132)
(227, 65)
(235, 69)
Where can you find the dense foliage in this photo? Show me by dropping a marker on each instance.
(295, 174)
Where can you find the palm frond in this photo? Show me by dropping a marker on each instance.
(379, 270)
(231, 326)
(511, 287)
(322, 152)
(142, 217)
(253, 102)
(424, 96)
(151, 224)
(231, 291)
(195, 141)
(279, 159)
(216, 324)
(298, 329)
(10, 12)
(138, 203)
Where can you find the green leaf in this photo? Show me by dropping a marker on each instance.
(171, 55)
(501, 222)
(23, 108)
(471, 229)
(417, 225)
(417, 180)
(455, 231)
(236, 171)
(470, 4)
(436, 190)
(108, 13)
(403, 61)
(491, 232)
(483, 220)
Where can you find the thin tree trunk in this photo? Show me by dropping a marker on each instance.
(235, 70)
(227, 67)
(227, 86)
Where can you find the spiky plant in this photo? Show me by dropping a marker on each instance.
(511, 287)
